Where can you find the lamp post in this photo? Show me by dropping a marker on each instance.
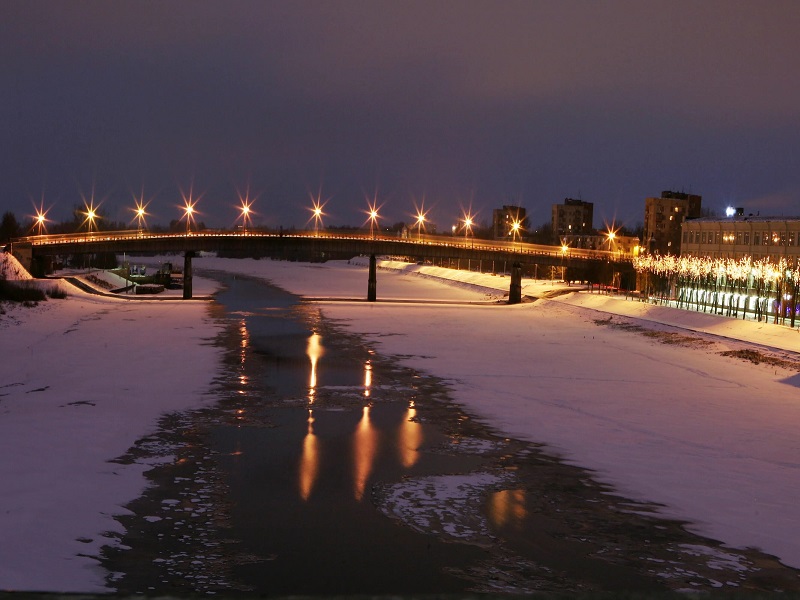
(140, 211)
(91, 215)
(420, 216)
(245, 208)
(468, 229)
(189, 214)
(188, 208)
(373, 216)
(317, 214)
(611, 237)
(40, 220)
(140, 217)
(515, 227)
(420, 225)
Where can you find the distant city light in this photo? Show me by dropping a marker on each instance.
(730, 211)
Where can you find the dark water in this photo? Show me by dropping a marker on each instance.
(318, 424)
(276, 490)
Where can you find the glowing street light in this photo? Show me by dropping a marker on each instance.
(40, 220)
(245, 216)
(91, 215)
(140, 211)
(611, 234)
(516, 225)
(469, 221)
(245, 208)
(189, 215)
(188, 208)
(421, 218)
(373, 216)
(316, 211)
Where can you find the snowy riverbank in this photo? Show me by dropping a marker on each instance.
(711, 437)
(81, 379)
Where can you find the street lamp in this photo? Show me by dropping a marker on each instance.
(140, 212)
(189, 214)
(245, 216)
(40, 220)
(421, 213)
(188, 208)
(515, 227)
(468, 222)
(245, 208)
(316, 212)
(91, 215)
(373, 216)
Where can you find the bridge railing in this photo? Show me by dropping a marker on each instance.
(514, 247)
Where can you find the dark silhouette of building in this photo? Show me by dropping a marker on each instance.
(573, 218)
(503, 220)
(663, 218)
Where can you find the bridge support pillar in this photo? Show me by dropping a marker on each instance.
(24, 254)
(187, 275)
(515, 291)
(372, 285)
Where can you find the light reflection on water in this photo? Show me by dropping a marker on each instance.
(244, 344)
(365, 445)
(367, 378)
(365, 438)
(316, 426)
(309, 461)
(507, 509)
(315, 352)
(410, 438)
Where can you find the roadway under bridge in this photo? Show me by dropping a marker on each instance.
(39, 253)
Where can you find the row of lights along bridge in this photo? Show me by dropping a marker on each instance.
(189, 212)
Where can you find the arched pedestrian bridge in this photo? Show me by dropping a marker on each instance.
(36, 253)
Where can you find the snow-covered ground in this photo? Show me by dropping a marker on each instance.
(81, 379)
(712, 438)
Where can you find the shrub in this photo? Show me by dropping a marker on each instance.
(57, 293)
(15, 291)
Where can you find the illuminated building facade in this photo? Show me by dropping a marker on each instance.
(663, 218)
(768, 238)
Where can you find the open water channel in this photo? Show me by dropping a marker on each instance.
(322, 468)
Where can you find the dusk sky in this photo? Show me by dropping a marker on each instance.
(460, 103)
